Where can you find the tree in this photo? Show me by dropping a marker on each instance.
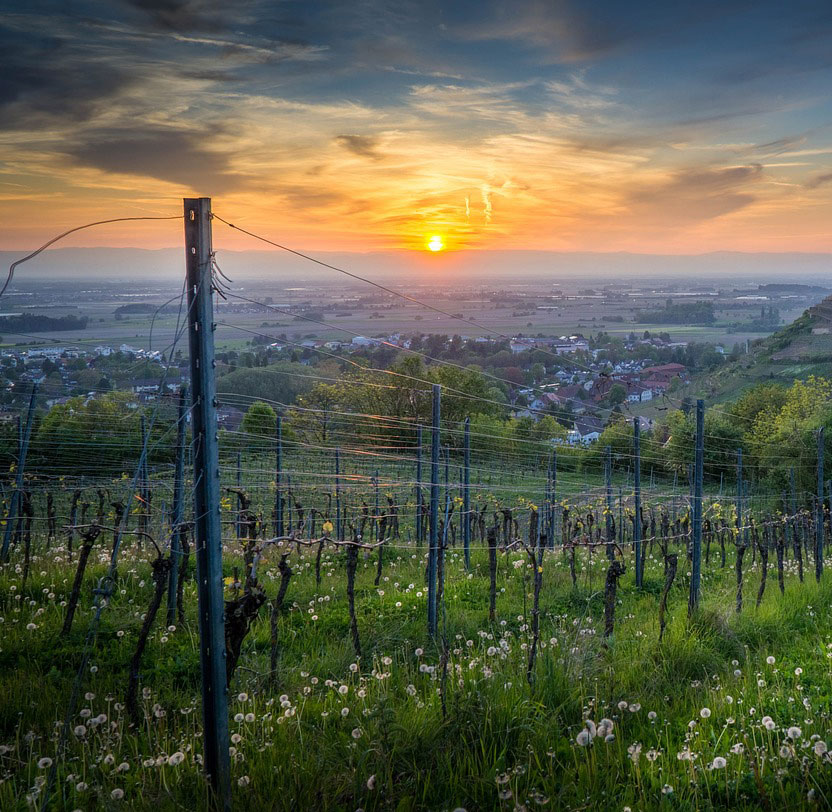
(259, 424)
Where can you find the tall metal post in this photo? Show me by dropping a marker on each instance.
(207, 527)
(338, 494)
(21, 467)
(144, 486)
(740, 532)
(637, 499)
(278, 471)
(178, 514)
(554, 496)
(608, 478)
(819, 520)
(376, 489)
(419, 503)
(466, 496)
(433, 551)
(237, 522)
(698, 465)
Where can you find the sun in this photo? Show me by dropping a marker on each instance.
(435, 243)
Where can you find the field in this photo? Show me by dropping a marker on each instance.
(729, 710)
(509, 309)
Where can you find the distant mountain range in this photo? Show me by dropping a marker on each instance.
(469, 267)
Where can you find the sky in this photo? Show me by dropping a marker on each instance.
(374, 125)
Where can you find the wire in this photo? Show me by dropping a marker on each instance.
(46, 245)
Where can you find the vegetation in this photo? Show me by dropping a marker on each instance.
(701, 312)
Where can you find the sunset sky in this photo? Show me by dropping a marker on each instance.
(375, 124)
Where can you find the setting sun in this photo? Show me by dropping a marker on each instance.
(435, 243)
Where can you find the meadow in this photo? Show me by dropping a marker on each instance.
(728, 711)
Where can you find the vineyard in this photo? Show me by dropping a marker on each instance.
(549, 677)
(387, 594)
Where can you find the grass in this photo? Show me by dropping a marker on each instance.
(341, 733)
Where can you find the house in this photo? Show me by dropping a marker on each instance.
(639, 393)
(363, 341)
(585, 431)
(229, 417)
(666, 372)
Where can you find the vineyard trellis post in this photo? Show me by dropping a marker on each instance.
(740, 532)
(608, 478)
(278, 470)
(553, 519)
(21, 466)
(698, 464)
(466, 496)
(419, 504)
(434, 510)
(144, 485)
(207, 526)
(178, 514)
(819, 520)
(637, 499)
(238, 517)
(338, 495)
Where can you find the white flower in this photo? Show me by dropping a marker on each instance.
(356, 732)
(667, 789)
(770, 660)
(794, 733)
(176, 758)
(718, 763)
(371, 782)
(820, 747)
(243, 781)
(705, 713)
(242, 697)
(345, 712)
(798, 671)
(584, 738)
(80, 730)
(45, 763)
(343, 689)
(652, 716)
(117, 794)
(353, 667)
(250, 717)
(738, 748)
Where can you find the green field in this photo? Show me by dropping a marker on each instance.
(419, 723)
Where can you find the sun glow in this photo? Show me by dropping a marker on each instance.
(435, 243)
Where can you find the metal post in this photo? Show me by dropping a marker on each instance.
(207, 527)
(739, 497)
(819, 520)
(608, 477)
(143, 483)
(698, 464)
(419, 485)
(237, 523)
(378, 503)
(278, 470)
(637, 499)
(178, 515)
(21, 466)
(434, 511)
(554, 496)
(466, 496)
(338, 494)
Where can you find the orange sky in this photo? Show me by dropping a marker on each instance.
(510, 132)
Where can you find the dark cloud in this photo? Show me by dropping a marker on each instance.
(819, 180)
(43, 77)
(692, 195)
(363, 145)
(186, 15)
(175, 156)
